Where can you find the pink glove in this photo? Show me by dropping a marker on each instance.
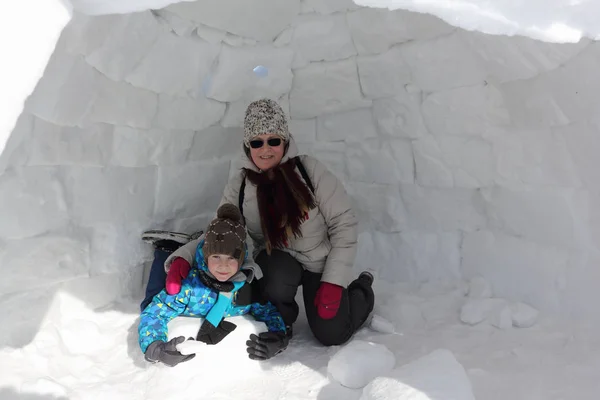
(179, 270)
(328, 300)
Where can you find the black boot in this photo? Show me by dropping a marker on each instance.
(366, 277)
(289, 331)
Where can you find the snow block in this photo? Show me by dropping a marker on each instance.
(119, 103)
(386, 162)
(445, 209)
(479, 288)
(383, 75)
(500, 258)
(188, 190)
(215, 142)
(175, 65)
(33, 202)
(303, 130)
(261, 20)
(454, 162)
(443, 63)
(375, 30)
(126, 41)
(358, 362)
(353, 125)
(476, 311)
(466, 111)
(377, 207)
(324, 88)
(140, 148)
(51, 144)
(186, 113)
(400, 116)
(235, 78)
(436, 376)
(326, 6)
(321, 38)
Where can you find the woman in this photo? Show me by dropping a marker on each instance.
(304, 231)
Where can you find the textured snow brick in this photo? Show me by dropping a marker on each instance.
(325, 88)
(175, 65)
(235, 78)
(501, 317)
(140, 148)
(333, 156)
(321, 38)
(358, 362)
(39, 194)
(215, 142)
(400, 116)
(499, 258)
(381, 325)
(117, 248)
(442, 63)
(353, 125)
(511, 58)
(126, 42)
(326, 6)
(303, 130)
(375, 30)
(454, 162)
(120, 103)
(51, 144)
(475, 311)
(261, 20)
(479, 288)
(537, 157)
(180, 26)
(525, 213)
(186, 113)
(523, 315)
(383, 75)
(112, 195)
(176, 199)
(66, 91)
(445, 209)
(467, 111)
(378, 207)
(42, 261)
(385, 162)
(18, 145)
(436, 376)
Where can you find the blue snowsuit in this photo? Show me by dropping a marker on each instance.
(196, 300)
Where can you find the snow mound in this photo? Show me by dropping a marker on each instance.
(357, 363)
(433, 377)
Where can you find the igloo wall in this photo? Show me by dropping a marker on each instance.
(465, 154)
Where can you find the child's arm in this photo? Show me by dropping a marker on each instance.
(155, 317)
(267, 313)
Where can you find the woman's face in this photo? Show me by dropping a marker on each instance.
(264, 155)
(222, 266)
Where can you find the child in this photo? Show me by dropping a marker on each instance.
(216, 287)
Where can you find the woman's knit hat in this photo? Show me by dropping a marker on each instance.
(226, 234)
(265, 116)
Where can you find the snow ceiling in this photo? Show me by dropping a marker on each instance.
(466, 154)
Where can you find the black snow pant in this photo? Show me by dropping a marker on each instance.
(282, 276)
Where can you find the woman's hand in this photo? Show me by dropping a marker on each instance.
(327, 300)
(179, 270)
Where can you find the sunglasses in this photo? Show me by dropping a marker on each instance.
(257, 143)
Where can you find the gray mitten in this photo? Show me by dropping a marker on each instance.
(167, 353)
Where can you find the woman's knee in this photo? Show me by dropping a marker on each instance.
(332, 333)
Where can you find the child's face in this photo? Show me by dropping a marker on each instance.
(222, 266)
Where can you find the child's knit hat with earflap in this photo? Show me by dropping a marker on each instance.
(226, 234)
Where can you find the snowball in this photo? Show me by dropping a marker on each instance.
(479, 288)
(501, 317)
(382, 325)
(523, 315)
(433, 377)
(356, 364)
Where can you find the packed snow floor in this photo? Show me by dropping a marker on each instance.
(79, 353)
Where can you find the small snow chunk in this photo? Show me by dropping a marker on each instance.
(436, 376)
(523, 315)
(475, 311)
(381, 325)
(357, 363)
(479, 288)
(501, 317)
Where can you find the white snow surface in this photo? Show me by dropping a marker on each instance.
(469, 158)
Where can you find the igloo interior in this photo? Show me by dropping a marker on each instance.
(467, 154)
